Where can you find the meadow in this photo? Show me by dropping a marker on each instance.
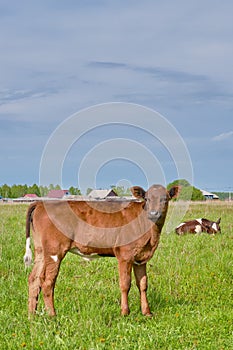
(190, 293)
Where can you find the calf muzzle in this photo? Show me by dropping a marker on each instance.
(154, 215)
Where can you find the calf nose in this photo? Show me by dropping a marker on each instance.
(154, 215)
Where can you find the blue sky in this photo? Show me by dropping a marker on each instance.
(58, 58)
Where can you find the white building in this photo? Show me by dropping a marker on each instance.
(209, 195)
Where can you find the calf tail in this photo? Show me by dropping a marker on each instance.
(28, 255)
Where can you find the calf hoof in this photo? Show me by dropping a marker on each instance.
(51, 312)
(31, 315)
(147, 313)
(125, 312)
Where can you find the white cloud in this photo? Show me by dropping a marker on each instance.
(223, 136)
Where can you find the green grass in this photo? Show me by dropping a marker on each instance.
(190, 294)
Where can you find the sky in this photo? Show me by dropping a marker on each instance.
(61, 59)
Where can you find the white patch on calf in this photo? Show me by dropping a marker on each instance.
(28, 255)
(85, 257)
(54, 257)
(28, 244)
(198, 229)
(214, 227)
(180, 225)
(199, 220)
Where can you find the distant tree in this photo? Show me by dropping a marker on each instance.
(34, 189)
(121, 191)
(43, 191)
(197, 195)
(180, 182)
(15, 193)
(188, 192)
(74, 191)
(88, 191)
(6, 191)
(51, 187)
(18, 190)
(224, 195)
(54, 187)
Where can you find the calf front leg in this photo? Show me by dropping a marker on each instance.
(141, 281)
(125, 269)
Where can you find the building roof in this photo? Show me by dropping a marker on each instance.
(209, 194)
(58, 193)
(102, 194)
(30, 195)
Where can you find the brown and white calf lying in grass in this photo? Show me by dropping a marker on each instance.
(198, 226)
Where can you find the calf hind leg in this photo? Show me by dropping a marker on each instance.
(48, 279)
(34, 281)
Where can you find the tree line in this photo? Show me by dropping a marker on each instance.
(187, 191)
(16, 191)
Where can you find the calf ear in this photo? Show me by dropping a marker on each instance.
(174, 191)
(218, 222)
(138, 191)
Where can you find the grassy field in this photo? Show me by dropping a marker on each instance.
(190, 294)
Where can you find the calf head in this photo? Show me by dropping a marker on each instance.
(212, 226)
(156, 200)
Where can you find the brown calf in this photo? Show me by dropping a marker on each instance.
(129, 231)
(198, 226)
